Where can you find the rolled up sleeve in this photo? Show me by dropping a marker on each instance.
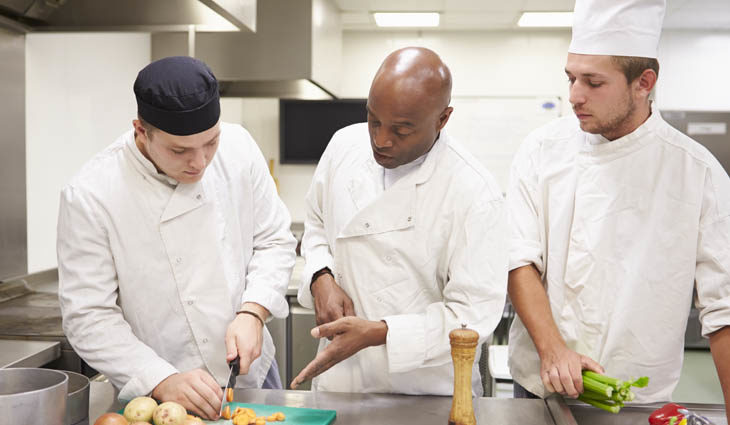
(525, 238)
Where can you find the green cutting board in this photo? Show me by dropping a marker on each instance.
(294, 415)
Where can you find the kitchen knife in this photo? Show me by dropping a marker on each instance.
(234, 367)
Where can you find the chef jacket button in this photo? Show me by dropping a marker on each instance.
(339, 276)
(178, 260)
(205, 340)
(388, 258)
(367, 225)
(199, 197)
(410, 218)
(190, 302)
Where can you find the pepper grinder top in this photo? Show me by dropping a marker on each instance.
(464, 337)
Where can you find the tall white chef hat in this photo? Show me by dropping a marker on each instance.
(617, 27)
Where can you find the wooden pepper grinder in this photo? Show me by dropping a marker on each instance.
(463, 348)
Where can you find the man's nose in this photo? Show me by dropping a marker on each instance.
(382, 139)
(198, 160)
(577, 94)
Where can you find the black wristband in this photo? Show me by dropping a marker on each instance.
(318, 273)
(252, 314)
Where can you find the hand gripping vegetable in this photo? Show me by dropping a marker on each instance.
(607, 393)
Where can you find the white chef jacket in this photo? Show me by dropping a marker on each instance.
(426, 255)
(152, 272)
(621, 232)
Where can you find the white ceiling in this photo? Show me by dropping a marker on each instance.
(503, 14)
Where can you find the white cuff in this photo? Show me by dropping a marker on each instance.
(147, 380)
(267, 298)
(405, 342)
(715, 316)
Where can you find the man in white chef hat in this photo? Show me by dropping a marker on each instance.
(616, 218)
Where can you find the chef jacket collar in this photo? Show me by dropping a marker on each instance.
(392, 175)
(598, 146)
(424, 172)
(147, 167)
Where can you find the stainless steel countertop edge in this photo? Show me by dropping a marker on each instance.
(560, 411)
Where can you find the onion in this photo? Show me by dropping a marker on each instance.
(111, 419)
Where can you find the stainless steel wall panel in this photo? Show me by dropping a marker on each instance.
(13, 218)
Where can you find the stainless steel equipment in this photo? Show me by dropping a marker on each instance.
(32, 396)
(29, 310)
(24, 353)
(13, 235)
(712, 130)
(129, 15)
(305, 36)
(301, 347)
(77, 401)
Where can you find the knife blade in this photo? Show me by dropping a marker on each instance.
(234, 366)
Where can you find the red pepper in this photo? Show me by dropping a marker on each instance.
(664, 414)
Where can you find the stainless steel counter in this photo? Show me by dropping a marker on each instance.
(356, 409)
(20, 353)
(638, 414)
(386, 409)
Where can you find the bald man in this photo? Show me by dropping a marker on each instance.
(404, 241)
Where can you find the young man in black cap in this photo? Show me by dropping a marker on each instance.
(174, 248)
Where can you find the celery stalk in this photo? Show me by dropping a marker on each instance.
(595, 396)
(597, 387)
(614, 382)
(613, 408)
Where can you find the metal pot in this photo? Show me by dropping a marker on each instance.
(32, 396)
(77, 403)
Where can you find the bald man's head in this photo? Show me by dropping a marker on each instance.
(408, 105)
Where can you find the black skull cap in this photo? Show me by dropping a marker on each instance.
(178, 95)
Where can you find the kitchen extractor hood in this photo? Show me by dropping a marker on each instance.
(296, 51)
(128, 15)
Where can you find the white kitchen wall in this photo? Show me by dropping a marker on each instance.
(693, 71)
(78, 100)
(498, 63)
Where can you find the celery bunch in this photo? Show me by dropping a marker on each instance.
(608, 393)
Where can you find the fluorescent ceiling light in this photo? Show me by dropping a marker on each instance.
(546, 19)
(426, 19)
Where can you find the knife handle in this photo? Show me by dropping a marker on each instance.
(235, 365)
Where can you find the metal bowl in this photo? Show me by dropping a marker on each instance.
(77, 404)
(33, 396)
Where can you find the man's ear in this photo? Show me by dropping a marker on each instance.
(444, 117)
(139, 129)
(646, 82)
